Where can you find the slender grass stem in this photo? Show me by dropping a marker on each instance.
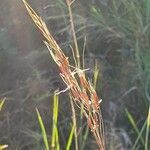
(74, 123)
(74, 33)
(147, 131)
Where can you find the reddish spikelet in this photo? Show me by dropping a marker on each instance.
(83, 95)
(83, 81)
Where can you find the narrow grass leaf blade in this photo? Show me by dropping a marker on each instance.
(96, 73)
(2, 103)
(43, 130)
(139, 136)
(70, 138)
(55, 140)
(134, 125)
(147, 131)
(147, 8)
(85, 138)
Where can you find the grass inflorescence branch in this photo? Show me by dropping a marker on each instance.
(81, 90)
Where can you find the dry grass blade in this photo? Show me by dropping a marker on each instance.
(81, 90)
(2, 147)
(2, 101)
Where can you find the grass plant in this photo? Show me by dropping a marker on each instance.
(53, 143)
(81, 89)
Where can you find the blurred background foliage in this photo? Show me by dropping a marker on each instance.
(117, 34)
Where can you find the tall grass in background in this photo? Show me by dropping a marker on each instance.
(128, 20)
(81, 90)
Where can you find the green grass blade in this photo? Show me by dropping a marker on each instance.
(2, 101)
(147, 8)
(138, 138)
(70, 138)
(147, 131)
(96, 73)
(74, 123)
(55, 139)
(85, 138)
(97, 14)
(61, 2)
(134, 125)
(43, 130)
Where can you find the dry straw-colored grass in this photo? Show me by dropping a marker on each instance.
(81, 90)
